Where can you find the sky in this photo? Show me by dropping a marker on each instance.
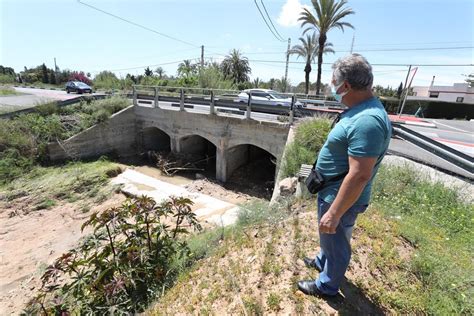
(402, 32)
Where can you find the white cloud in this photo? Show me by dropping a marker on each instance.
(290, 12)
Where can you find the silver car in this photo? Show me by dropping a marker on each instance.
(267, 97)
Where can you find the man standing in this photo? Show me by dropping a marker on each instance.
(356, 146)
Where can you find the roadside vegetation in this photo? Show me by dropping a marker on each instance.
(7, 91)
(309, 137)
(24, 139)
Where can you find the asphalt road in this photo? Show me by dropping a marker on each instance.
(455, 134)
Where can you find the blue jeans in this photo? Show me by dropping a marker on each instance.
(335, 254)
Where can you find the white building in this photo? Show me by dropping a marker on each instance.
(458, 92)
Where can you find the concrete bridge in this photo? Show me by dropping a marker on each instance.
(236, 139)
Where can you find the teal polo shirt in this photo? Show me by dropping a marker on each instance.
(363, 130)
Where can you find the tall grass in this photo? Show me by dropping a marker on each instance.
(6, 91)
(439, 225)
(310, 136)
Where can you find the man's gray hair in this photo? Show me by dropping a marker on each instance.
(355, 69)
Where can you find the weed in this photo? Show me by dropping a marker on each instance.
(252, 306)
(4, 91)
(273, 301)
(45, 204)
(123, 264)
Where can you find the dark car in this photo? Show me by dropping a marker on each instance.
(78, 86)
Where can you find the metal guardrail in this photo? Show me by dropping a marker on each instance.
(447, 153)
(212, 98)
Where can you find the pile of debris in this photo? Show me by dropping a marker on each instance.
(171, 163)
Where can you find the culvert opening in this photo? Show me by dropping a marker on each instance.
(154, 139)
(254, 172)
(196, 159)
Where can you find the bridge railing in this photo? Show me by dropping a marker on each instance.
(225, 100)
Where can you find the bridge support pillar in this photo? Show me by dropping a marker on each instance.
(221, 165)
(228, 160)
(174, 144)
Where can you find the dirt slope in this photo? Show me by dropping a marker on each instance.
(256, 273)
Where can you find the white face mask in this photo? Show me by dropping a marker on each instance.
(338, 96)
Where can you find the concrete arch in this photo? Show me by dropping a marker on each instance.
(154, 138)
(213, 140)
(237, 155)
(195, 144)
(275, 152)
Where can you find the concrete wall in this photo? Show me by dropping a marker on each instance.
(117, 135)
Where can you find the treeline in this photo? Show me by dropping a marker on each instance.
(42, 74)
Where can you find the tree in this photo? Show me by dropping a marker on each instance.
(44, 74)
(159, 72)
(399, 90)
(148, 72)
(236, 67)
(52, 77)
(256, 82)
(186, 69)
(80, 76)
(211, 76)
(309, 49)
(106, 80)
(329, 15)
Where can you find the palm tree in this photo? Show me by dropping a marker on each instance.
(329, 14)
(236, 67)
(160, 72)
(309, 49)
(257, 82)
(186, 68)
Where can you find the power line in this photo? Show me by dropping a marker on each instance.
(263, 17)
(142, 67)
(417, 43)
(373, 64)
(370, 50)
(407, 49)
(138, 25)
(270, 19)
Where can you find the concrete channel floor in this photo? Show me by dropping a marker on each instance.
(207, 208)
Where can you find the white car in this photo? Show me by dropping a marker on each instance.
(267, 97)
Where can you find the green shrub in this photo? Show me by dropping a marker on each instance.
(48, 108)
(310, 136)
(4, 78)
(7, 91)
(125, 263)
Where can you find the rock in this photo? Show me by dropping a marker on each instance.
(288, 186)
(200, 176)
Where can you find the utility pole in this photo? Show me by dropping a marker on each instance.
(287, 61)
(352, 45)
(404, 87)
(202, 56)
(406, 93)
